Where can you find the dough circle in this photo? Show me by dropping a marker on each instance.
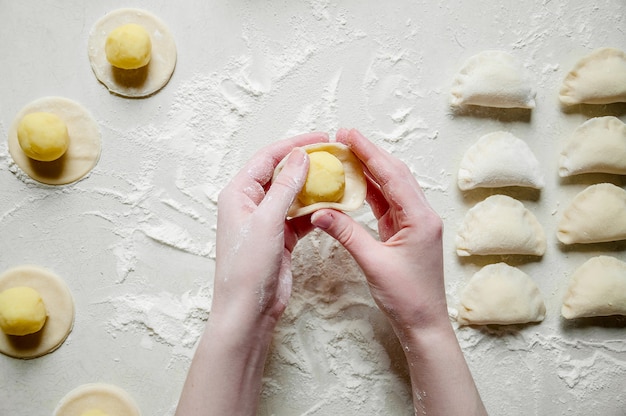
(109, 398)
(355, 188)
(59, 304)
(82, 153)
(133, 83)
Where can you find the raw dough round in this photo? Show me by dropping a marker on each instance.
(355, 188)
(94, 412)
(83, 150)
(140, 82)
(108, 398)
(59, 305)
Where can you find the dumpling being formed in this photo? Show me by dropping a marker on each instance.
(354, 187)
(595, 215)
(598, 145)
(493, 79)
(500, 225)
(500, 294)
(499, 159)
(598, 78)
(597, 288)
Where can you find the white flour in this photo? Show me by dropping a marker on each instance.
(136, 238)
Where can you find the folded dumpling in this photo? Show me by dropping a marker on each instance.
(598, 78)
(493, 79)
(597, 214)
(500, 294)
(597, 288)
(598, 145)
(355, 185)
(499, 159)
(500, 225)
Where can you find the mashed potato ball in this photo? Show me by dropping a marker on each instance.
(325, 180)
(22, 311)
(128, 47)
(43, 136)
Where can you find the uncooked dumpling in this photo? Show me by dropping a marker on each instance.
(598, 78)
(499, 159)
(500, 294)
(595, 215)
(493, 79)
(354, 188)
(500, 225)
(597, 288)
(598, 145)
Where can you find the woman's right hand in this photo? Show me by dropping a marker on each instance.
(404, 269)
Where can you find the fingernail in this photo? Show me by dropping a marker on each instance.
(322, 219)
(298, 155)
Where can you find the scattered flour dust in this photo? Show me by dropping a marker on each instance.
(174, 321)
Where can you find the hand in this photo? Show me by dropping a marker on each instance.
(404, 269)
(252, 281)
(254, 240)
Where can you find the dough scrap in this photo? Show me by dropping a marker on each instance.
(355, 188)
(493, 79)
(596, 215)
(597, 288)
(59, 305)
(133, 83)
(598, 78)
(500, 294)
(83, 151)
(499, 159)
(108, 398)
(597, 146)
(500, 225)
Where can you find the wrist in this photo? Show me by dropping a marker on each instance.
(241, 331)
(227, 369)
(423, 333)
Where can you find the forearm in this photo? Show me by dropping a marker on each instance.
(226, 372)
(441, 381)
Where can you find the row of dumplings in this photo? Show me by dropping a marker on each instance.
(502, 225)
(495, 78)
(499, 293)
(500, 159)
(598, 213)
(502, 294)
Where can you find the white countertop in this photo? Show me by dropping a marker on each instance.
(134, 239)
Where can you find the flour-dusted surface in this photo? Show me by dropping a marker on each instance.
(135, 239)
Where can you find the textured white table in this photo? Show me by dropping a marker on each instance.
(134, 240)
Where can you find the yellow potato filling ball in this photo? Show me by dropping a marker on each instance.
(43, 136)
(128, 47)
(22, 311)
(94, 412)
(325, 180)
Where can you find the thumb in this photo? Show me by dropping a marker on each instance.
(345, 230)
(287, 183)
